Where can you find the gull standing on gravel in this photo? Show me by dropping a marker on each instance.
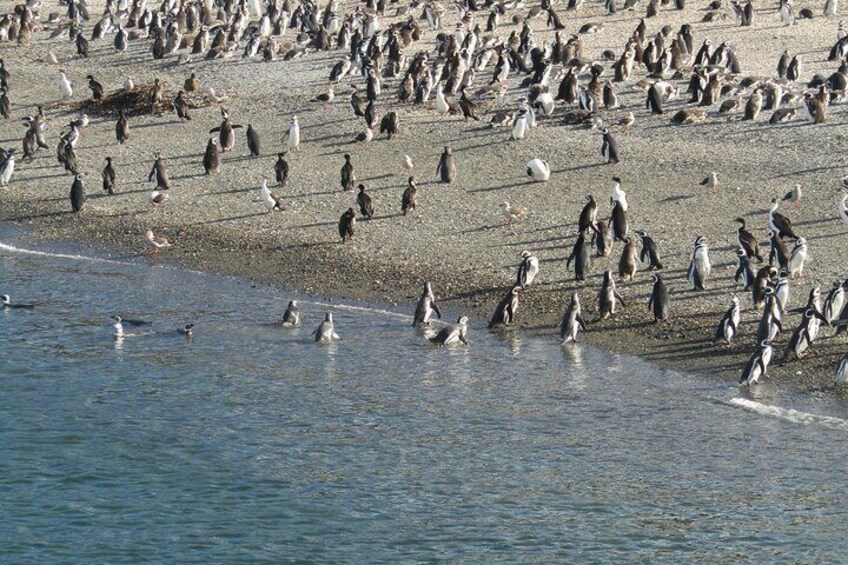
(269, 199)
(512, 214)
(407, 164)
(711, 182)
(793, 195)
(156, 242)
(65, 86)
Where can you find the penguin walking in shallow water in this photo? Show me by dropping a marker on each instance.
(572, 321)
(649, 251)
(527, 269)
(426, 307)
(757, 365)
(78, 193)
(291, 317)
(659, 302)
(326, 332)
(629, 261)
(607, 297)
(580, 257)
(729, 324)
(699, 265)
(609, 146)
(804, 335)
(446, 171)
(504, 314)
(744, 271)
(453, 333)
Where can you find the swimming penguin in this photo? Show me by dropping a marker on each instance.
(347, 224)
(122, 128)
(747, 242)
(269, 199)
(618, 195)
(292, 140)
(506, 309)
(527, 270)
(607, 297)
(804, 335)
(588, 214)
(7, 168)
(572, 321)
(629, 261)
(580, 257)
(452, 333)
(833, 303)
(744, 270)
(109, 177)
(159, 172)
(797, 257)
(601, 238)
(618, 220)
(426, 307)
(609, 147)
(771, 321)
(649, 251)
(78, 193)
(699, 266)
(659, 302)
(281, 170)
(366, 205)
(409, 198)
(186, 330)
(538, 170)
(253, 143)
(7, 303)
(729, 324)
(348, 176)
(291, 317)
(226, 135)
(757, 365)
(326, 332)
(181, 107)
(446, 171)
(212, 157)
(780, 223)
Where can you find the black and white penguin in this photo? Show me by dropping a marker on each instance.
(159, 172)
(601, 238)
(649, 251)
(109, 177)
(527, 269)
(366, 205)
(538, 170)
(833, 303)
(747, 242)
(655, 101)
(629, 261)
(254, 144)
(572, 321)
(609, 146)
(291, 317)
(761, 285)
(618, 220)
(453, 333)
(804, 335)
(841, 375)
(281, 170)
(212, 157)
(186, 330)
(446, 171)
(781, 290)
(226, 135)
(659, 303)
(588, 215)
(348, 176)
(96, 87)
(757, 365)
(580, 257)
(744, 270)
(797, 257)
(607, 297)
(409, 198)
(122, 128)
(78, 193)
(780, 223)
(181, 107)
(504, 314)
(7, 303)
(426, 307)
(347, 225)
(729, 324)
(771, 321)
(326, 331)
(778, 251)
(699, 266)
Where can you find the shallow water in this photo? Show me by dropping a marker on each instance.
(249, 442)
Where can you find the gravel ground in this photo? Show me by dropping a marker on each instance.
(456, 237)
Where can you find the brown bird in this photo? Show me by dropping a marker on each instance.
(156, 242)
(191, 84)
(122, 128)
(347, 223)
(407, 203)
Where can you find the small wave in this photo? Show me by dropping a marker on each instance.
(352, 308)
(13, 249)
(789, 414)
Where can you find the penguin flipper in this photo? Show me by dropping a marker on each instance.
(581, 321)
(436, 310)
(215, 130)
(650, 303)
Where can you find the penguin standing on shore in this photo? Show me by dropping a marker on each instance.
(159, 172)
(426, 307)
(580, 257)
(771, 321)
(212, 157)
(326, 332)
(181, 107)
(804, 335)
(629, 261)
(409, 198)
(291, 317)
(446, 171)
(572, 321)
(453, 333)
(757, 365)
(527, 270)
(504, 314)
(269, 199)
(618, 220)
(781, 290)
(109, 177)
(833, 303)
(761, 285)
(744, 271)
(292, 140)
(8, 167)
(609, 146)
(797, 257)
(617, 194)
(607, 297)
(778, 251)
(253, 142)
(366, 205)
(281, 169)
(729, 324)
(226, 135)
(601, 238)
(649, 251)
(347, 225)
(348, 176)
(78, 193)
(588, 215)
(122, 128)
(659, 302)
(699, 265)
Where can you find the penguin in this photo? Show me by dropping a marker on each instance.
(627, 265)
(757, 365)
(291, 317)
(618, 220)
(747, 242)
(617, 194)
(122, 128)
(607, 297)
(109, 177)
(8, 304)
(729, 324)
(7, 168)
(761, 285)
(654, 101)
(453, 333)
(348, 176)
(181, 107)
(158, 198)
(659, 302)
(504, 314)
(212, 157)
(778, 251)
(192, 83)
(409, 198)
(589, 214)
(841, 376)
(326, 331)
(753, 106)
(538, 170)
(797, 257)
(186, 330)
(699, 266)
(390, 124)
(780, 223)
(426, 307)
(292, 140)
(78, 193)
(269, 199)
(744, 271)
(649, 251)
(609, 147)
(781, 290)
(446, 171)
(281, 170)
(520, 126)
(804, 335)
(96, 87)
(601, 238)
(572, 321)
(816, 111)
(467, 106)
(159, 172)
(226, 135)
(527, 269)
(580, 257)
(366, 206)
(771, 321)
(833, 303)
(347, 224)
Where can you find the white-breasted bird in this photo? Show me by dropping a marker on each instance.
(269, 199)
(156, 242)
(538, 170)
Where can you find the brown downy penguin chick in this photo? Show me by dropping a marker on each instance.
(156, 93)
(366, 206)
(408, 201)
(109, 177)
(212, 157)
(159, 173)
(281, 170)
(348, 176)
(347, 223)
(629, 261)
(192, 84)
